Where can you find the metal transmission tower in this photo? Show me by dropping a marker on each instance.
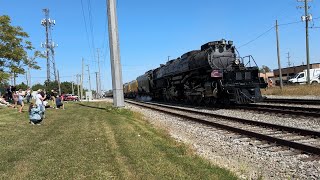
(307, 17)
(49, 45)
(289, 63)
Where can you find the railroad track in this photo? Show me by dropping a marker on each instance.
(301, 139)
(262, 108)
(293, 101)
(291, 110)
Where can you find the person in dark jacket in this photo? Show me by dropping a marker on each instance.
(59, 102)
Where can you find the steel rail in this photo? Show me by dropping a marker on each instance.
(299, 146)
(292, 110)
(293, 101)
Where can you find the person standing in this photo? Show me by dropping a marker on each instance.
(28, 95)
(53, 97)
(20, 100)
(15, 98)
(9, 94)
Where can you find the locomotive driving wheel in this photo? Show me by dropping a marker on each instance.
(213, 100)
(207, 101)
(210, 101)
(188, 99)
(198, 100)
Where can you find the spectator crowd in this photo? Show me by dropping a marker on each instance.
(38, 102)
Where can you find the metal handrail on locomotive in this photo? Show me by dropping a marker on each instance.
(213, 74)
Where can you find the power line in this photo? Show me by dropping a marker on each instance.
(285, 24)
(264, 33)
(85, 24)
(91, 28)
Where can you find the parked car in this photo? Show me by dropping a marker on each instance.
(70, 97)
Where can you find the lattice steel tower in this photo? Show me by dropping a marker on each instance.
(49, 45)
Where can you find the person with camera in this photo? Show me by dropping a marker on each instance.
(35, 114)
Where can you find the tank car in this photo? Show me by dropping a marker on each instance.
(126, 90)
(215, 73)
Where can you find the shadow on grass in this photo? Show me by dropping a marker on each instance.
(94, 107)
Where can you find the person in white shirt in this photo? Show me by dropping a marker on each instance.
(28, 95)
(20, 100)
(39, 98)
(39, 101)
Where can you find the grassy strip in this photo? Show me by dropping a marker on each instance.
(94, 141)
(297, 90)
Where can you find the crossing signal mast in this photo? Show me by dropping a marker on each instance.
(49, 45)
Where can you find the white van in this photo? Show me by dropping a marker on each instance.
(301, 77)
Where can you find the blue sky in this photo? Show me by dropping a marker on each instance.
(150, 31)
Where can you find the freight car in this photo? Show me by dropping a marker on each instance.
(130, 89)
(215, 73)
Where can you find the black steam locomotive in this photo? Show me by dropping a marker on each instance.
(210, 75)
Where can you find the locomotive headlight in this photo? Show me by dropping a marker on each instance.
(237, 61)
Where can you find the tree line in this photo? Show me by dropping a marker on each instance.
(66, 87)
(14, 50)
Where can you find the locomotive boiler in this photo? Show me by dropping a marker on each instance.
(215, 73)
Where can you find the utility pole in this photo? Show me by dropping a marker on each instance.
(59, 83)
(117, 85)
(82, 77)
(99, 79)
(78, 85)
(14, 79)
(278, 53)
(29, 77)
(307, 17)
(168, 58)
(72, 87)
(97, 85)
(89, 78)
(49, 44)
(11, 77)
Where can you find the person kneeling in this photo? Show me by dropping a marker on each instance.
(35, 114)
(59, 102)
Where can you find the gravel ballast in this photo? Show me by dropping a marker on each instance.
(248, 158)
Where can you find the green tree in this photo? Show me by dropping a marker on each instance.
(51, 85)
(37, 86)
(22, 86)
(66, 87)
(15, 69)
(3, 87)
(265, 69)
(13, 49)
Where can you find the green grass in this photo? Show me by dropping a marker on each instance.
(94, 141)
(293, 90)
